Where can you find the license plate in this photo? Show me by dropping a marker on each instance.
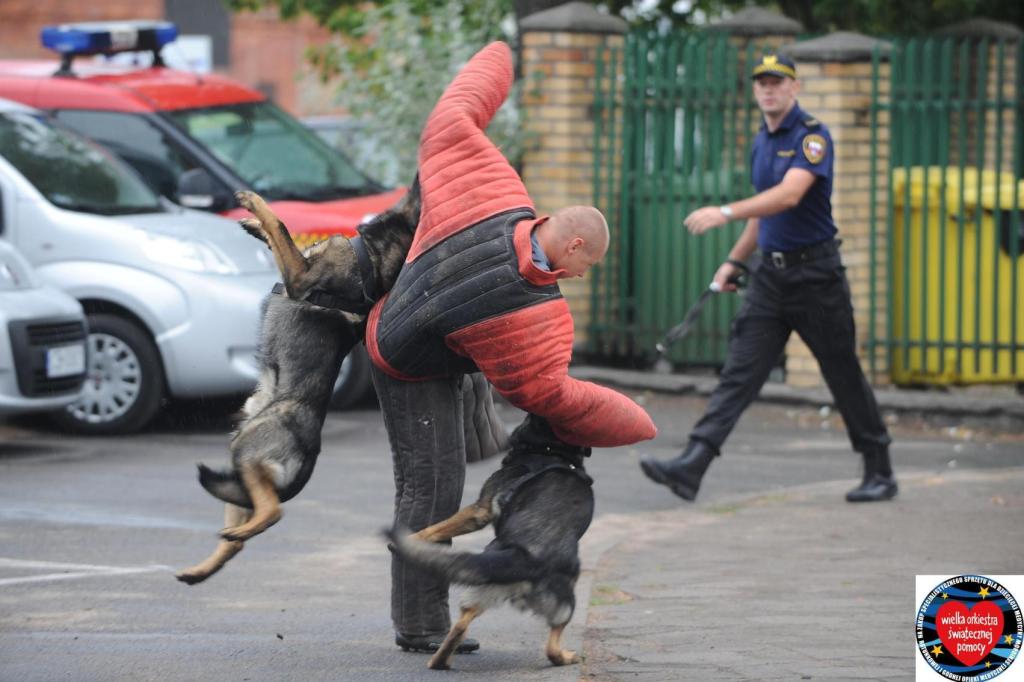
(65, 361)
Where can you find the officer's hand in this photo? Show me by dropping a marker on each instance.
(704, 219)
(722, 275)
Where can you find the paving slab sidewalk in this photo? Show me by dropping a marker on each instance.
(793, 585)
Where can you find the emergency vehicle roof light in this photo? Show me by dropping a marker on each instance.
(103, 37)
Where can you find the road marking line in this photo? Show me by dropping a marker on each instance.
(71, 571)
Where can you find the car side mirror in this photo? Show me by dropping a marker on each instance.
(198, 189)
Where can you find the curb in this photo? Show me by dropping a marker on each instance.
(956, 404)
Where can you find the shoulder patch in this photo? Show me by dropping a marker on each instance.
(811, 123)
(815, 148)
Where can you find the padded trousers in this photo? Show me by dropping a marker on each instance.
(428, 425)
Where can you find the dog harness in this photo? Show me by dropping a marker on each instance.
(537, 465)
(469, 296)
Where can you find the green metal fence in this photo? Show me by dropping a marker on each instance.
(674, 123)
(674, 120)
(948, 247)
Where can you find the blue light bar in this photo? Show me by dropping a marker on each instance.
(104, 37)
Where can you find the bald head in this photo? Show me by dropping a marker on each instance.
(574, 238)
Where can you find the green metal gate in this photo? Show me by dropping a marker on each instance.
(948, 248)
(674, 123)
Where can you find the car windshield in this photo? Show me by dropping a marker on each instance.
(70, 171)
(275, 154)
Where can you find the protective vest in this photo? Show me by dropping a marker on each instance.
(469, 296)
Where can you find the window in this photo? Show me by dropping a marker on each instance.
(276, 155)
(70, 171)
(136, 140)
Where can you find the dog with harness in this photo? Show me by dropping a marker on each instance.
(540, 503)
(310, 322)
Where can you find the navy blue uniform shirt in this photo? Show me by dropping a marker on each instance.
(800, 142)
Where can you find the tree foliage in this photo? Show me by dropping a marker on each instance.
(872, 17)
(391, 61)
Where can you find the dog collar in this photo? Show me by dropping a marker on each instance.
(320, 298)
(366, 272)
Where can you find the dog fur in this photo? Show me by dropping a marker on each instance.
(276, 445)
(541, 503)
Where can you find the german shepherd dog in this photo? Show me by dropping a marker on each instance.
(541, 503)
(303, 344)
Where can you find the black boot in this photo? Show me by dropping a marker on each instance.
(682, 475)
(879, 483)
(431, 643)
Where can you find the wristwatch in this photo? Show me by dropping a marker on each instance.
(726, 211)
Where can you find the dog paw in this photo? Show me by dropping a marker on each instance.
(255, 228)
(438, 664)
(564, 657)
(246, 199)
(191, 578)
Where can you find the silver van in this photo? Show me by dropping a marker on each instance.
(172, 296)
(42, 340)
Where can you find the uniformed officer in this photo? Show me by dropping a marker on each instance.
(800, 284)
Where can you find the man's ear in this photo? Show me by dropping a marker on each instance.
(574, 245)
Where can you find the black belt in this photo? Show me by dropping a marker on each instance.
(787, 259)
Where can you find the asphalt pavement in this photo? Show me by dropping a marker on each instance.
(769, 575)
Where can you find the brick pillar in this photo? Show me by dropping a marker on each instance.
(835, 71)
(560, 47)
(756, 31)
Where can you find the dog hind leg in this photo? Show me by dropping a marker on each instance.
(233, 516)
(266, 506)
(466, 520)
(556, 654)
(442, 659)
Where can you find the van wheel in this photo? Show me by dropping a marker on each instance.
(124, 380)
(354, 383)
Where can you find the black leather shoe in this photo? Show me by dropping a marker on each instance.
(431, 643)
(683, 474)
(874, 488)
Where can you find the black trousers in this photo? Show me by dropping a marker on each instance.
(813, 299)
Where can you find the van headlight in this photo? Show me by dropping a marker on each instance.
(9, 279)
(186, 254)
(13, 276)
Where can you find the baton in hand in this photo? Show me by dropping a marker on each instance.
(683, 328)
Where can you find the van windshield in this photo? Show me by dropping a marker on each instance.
(69, 171)
(275, 154)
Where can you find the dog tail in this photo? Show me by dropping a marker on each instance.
(492, 566)
(225, 485)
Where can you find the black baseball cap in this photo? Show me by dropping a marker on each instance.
(774, 65)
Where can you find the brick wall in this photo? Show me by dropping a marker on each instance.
(21, 20)
(269, 54)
